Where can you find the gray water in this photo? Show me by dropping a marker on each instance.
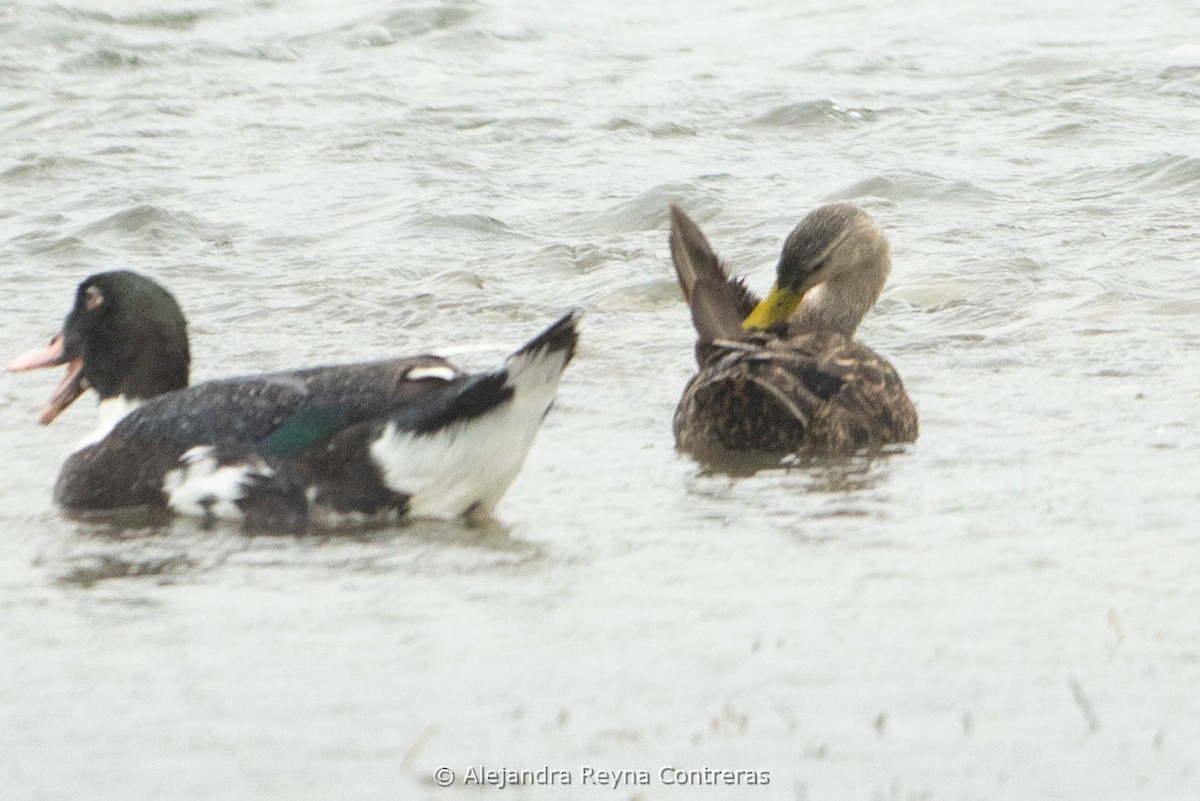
(1004, 610)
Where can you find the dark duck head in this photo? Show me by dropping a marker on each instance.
(126, 338)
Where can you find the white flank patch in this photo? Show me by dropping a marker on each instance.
(442, 371)
(471, 463)
(109, 412)
(200, 487)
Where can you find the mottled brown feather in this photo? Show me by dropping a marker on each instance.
(780, 390)
(718, 303)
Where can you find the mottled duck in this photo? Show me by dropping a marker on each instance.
(785, 375)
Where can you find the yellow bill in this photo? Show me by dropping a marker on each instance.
(775, 308)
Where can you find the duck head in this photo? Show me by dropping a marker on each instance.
(125, 338)
(831, 270)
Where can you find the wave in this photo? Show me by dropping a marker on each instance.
(914, 185)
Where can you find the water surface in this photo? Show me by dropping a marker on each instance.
(1004, 610)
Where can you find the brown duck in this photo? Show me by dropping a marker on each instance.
(785, 374)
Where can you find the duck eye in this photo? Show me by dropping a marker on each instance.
(92, 297)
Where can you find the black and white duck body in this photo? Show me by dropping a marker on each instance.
(393, 438)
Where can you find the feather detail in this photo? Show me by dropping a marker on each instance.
(718, 303)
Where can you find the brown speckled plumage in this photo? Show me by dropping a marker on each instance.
(795, 387)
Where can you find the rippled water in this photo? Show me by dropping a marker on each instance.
(1005, 609)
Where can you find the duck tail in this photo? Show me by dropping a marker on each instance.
(459, 455)
(547, 354)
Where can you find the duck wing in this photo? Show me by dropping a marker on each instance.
(273, 415)
(718, 303)
(253, 408)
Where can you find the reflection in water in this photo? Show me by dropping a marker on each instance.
(858, 471)
(853, 474)
(95, 568)
(134, 544)
(138, 546)
(801, 497)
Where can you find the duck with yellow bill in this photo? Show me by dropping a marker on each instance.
(784, 375)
